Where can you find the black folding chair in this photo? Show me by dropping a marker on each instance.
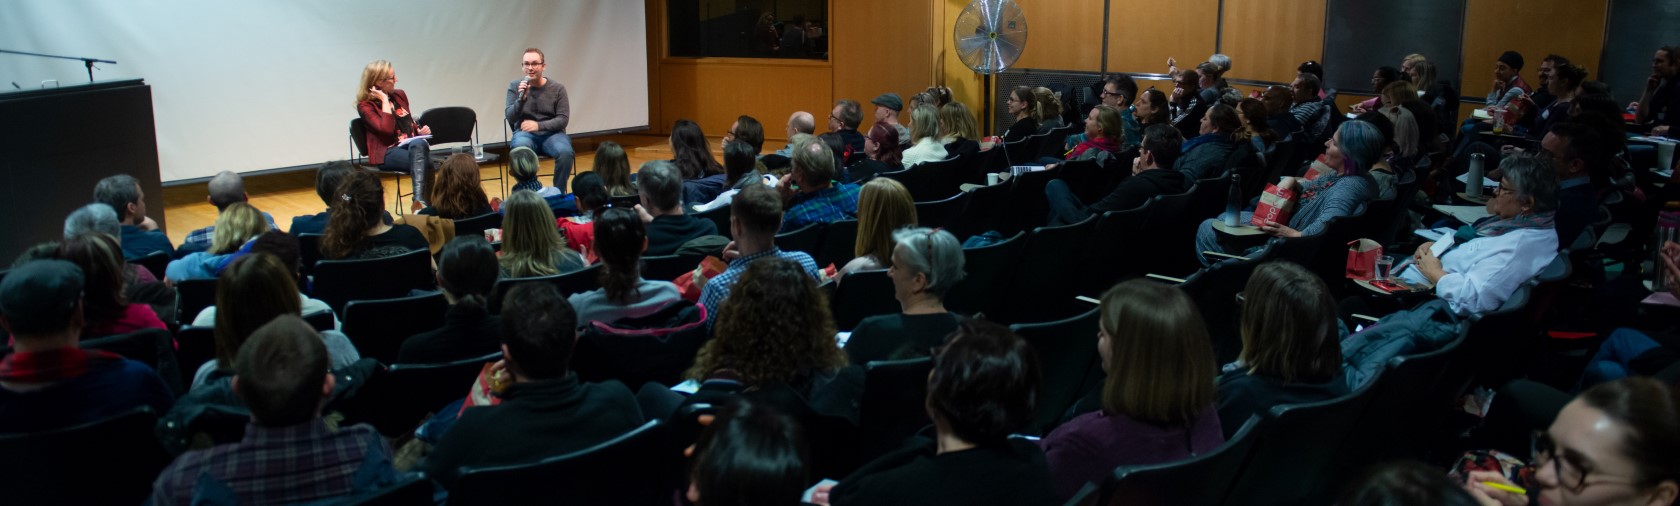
(839, 243)
(805, 239)
(358, 156)
(1068, 354)
(157, 262)
(191, 297)
(309, 252)
(396, 400)
(379, 327)
(941, 213)
(928, 181)
(575, 282)
(109, 461)
(606, 351)
(641, 467)
(988, 271)
(460, 124)
(989, 209)
(1110, 254)
(1028, 205)
(153, 347)
(195, 346)
(1202, 480)
(476, 225)
(719, 217)
(893, 405)
(668, 267)
(1042, 289)
(337, 282)
(1295, 448)
(862, 294)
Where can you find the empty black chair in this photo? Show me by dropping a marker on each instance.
(894, 403)
(1053, 144)
(192, 296)
(1067, 352)
(1110, 255)
(1202, 480)
(641, 351)
(156, 262)
(476, 225)
(1023, 151)
(805, 239)
(1173, 234)
(1405, 411)
(862, 294)
(396, 400)
(988, 209)
(1294, 450)
(194, 347)
(153, 347)
(1090, 181)
(940, 213)
(578, 281)
(719, 217)
(379, 327)
(309, 252)
(337, 282)
(987, 273)
(1041, 288)
(668, 267)
(454, 124)
(1027, 204)
(926, 181)
(990, 161)
(641, 467)
(1209, 199)
(839, 243)
(110, 461)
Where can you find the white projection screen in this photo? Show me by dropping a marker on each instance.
(250, 85)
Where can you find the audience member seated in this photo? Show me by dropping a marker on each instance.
(619, 239)
(523, 166)
(1206, 153)
(1311, 110)
(1049, 110)
(545, 411)
(1355, 147)
(1407, 138)
(1508, 84)
(1152, 175)
(1187, 104)
(289, 454)
(457, 193)
(106, 309)
(1659, 103)
(924, 137)
(1405, 483)
(139, 284)
(1476, 268)
(887, 108)
(810, 192)
(982, 389)
(1624, 433)
(531, 245)
(1426, 77)
(235, 226)
(1118, 91)
(252, 291)
(1278, 99)
(1103, 136)
(754, 217)
(579, 230)
(843, 122)
(1024, 107)
(613, 166)
(1157, 403)
(702, 176)
(47, 381)
(356, 227)
(668, 228)
(1582, 162)
(1564, 85)
(800, 122)
(926, 264)
(284, 247)
(1291, 352)
(958, 131)
(225, 189)
(1151, 109)
(884, 153)
(140, 235)
(884, 207)
(1255, 139)
(1382, 172)
(774, 336)
(466, 274)
(740, 168)
(749, 454)
(1380, 79)
(326, 186)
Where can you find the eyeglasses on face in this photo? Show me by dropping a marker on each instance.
(1571, 470)
(531, 64)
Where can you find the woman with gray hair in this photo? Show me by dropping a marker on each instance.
(926, 263)
(1476, 268)
(522, 165)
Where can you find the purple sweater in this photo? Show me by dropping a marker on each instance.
(1090, 446)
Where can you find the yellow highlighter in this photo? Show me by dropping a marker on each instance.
(1508, 488)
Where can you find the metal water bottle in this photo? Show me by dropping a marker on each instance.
(1233, 202)
(1473, 183)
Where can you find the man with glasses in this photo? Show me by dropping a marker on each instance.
(1577, 152)
(538, 111)
(1118, 91)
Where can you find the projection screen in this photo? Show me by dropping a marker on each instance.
(251, 85)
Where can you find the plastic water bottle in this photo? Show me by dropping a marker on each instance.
(1233, 202)
(1473, 183)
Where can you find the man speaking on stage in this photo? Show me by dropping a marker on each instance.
(538, 111)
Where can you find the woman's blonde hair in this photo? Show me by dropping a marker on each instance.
(924, 123)
(1108, 119)
(956, 120)
(237, 224)
(371, 74)
(530, 241)
(1045, 104)
(884, 205)
(614, 168)
(1161, 363)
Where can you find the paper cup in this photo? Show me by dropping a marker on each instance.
(991, 179)
(1665, 155)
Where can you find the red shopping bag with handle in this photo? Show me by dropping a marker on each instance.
(1276, 205)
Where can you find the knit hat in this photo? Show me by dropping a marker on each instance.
(890, 101)
(41, 290)
(1512, 59)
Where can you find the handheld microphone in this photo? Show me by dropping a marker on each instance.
(527, 89)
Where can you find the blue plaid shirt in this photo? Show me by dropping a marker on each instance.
(828, 205)
(718, 287)
(199, 240)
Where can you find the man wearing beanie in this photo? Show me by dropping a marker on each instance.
(48, 381)
(887, 107)
(1508, 83)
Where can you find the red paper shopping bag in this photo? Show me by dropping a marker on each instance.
(1362, 257)
(1318, 169)
(1275, 206)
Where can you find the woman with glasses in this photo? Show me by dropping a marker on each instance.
(1615, 444)
(925, 265)
(1020, 105)
(388, 121)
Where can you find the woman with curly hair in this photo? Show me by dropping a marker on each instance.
(531, 244)
(356, 226)
(774, 330)
(457, 192)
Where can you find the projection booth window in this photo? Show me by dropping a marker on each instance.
(747, 28)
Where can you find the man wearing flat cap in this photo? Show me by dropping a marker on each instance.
(887, 107)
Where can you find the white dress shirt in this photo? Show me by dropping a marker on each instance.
(1482, 273)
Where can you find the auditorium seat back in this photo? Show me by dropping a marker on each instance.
(940, 213)
(379, 327)
(1295, 448)
(337, 282)
(987, 272)
(893, 405)
(109, 461)
(1202, 480)
(862, 294)
(1067, 354)
(635, 468)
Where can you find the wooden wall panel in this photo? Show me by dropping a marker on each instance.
(1143, 33)
(713, 93)
(881, 46)
(1268, 39)
(1062, 34)
(1572, 28)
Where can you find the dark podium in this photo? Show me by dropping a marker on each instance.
(59, 143)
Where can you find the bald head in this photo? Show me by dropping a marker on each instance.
(801, 122)
(225, 189)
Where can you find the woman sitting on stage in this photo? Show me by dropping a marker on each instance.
(386, 115)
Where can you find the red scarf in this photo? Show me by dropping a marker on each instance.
(1102, 143)
(53, 365)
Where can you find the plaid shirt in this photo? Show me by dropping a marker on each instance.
(299, 463)
(718, 287)
(828, 205)
(199, 240)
